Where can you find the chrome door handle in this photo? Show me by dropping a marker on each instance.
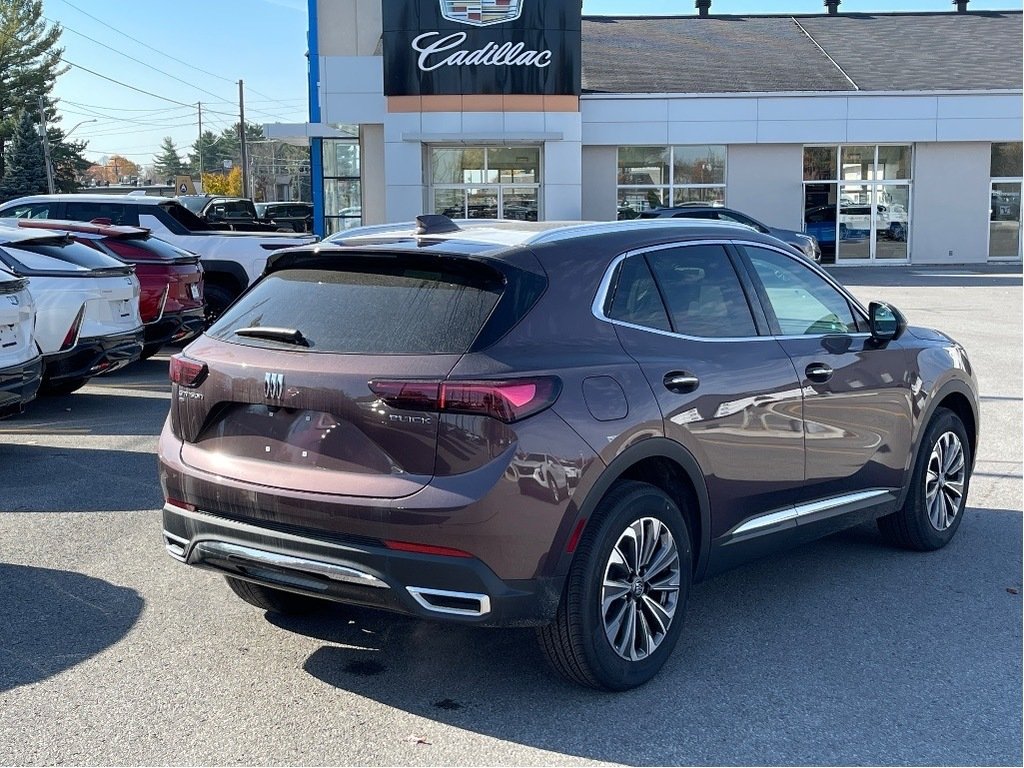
(819, 372)
(681, 382)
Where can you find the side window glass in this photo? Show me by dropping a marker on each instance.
(804, 303)
(117, 213)
(33, 211)
(703, 292)
(636, 299)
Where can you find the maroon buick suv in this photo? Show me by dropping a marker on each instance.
(565, 426)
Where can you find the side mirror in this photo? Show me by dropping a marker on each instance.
(887, 322)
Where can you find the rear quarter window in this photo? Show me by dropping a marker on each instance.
(116, 213)
(378, 310)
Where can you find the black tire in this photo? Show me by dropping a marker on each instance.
(911, 526)
(65, 387)
(149, 350)
(218, 298)
(274, 600)
(576, 644)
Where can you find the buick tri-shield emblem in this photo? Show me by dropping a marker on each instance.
(273, 386)
(481, 13)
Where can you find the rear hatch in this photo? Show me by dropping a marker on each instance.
(171, 277)
(291, 387)
(63, 271)
(17, 319)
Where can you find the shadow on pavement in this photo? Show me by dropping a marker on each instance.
(844, 651)
(53, 620)
(36, 478)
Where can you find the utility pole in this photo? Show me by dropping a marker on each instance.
(46, 145)
(241, 140)
(199, 106)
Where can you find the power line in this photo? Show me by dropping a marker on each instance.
(125, 85)
(132, 58)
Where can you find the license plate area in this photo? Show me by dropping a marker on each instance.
(8, 336)
(193, 291)
(122, 308)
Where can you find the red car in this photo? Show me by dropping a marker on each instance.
(171, 303)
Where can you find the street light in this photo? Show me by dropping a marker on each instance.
(78, 125)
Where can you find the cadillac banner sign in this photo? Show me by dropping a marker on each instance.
(454, 47)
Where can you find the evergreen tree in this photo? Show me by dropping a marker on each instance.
(168, 162)
(69, 165)
(25, 171)
(29, 64)
(213, 154)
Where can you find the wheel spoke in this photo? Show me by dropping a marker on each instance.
(613, 628)
(666, 556)
(645, 639)
(613, 590)
(627, 647)
(658, 613)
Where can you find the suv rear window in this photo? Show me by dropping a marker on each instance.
(56, 256)
(145, 249)
(378, 310)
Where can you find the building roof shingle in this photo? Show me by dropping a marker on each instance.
(980, 50)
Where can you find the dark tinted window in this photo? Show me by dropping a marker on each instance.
(148, 248)
(178, 218)
(50, 256)
(376, 310)
(804, 303)
(636, 298)
(739, 218)
(703, 293)
(696, 215)
(30, 211)
(116, 213)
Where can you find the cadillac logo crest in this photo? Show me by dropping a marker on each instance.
(481, 13)
(273, 386)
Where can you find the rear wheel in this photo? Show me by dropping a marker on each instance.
(65, 387)
(623, 606)
(273, 600)
(935, 503)
(218, 298)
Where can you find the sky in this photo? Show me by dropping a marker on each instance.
(203, 47)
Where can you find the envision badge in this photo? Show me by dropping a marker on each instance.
(273, 386)
(482, 13)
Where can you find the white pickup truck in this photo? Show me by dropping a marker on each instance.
(231, 260)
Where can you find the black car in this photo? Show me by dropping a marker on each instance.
(298, 217)
(805, 243)
(558, 425)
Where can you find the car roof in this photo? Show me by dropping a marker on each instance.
(130, 199)
(501, 234)
(88, 228)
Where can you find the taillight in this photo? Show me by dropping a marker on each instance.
(506, 400)
(187, 372)
(71, 338)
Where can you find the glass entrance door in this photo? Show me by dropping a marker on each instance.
(874, 222)
(1004, 228)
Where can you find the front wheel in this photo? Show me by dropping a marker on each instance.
(622, 611)
(935, 503)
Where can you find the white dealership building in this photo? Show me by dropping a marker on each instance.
(895, 138)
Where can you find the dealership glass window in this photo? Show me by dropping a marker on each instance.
(1004, 242)
(857, 200)
(657, 177)
(485, 182)
(343, 206)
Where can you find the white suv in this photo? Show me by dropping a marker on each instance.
(21, 365)
(231, 260)
(87, 305)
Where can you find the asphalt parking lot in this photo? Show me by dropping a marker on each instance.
(840, 652)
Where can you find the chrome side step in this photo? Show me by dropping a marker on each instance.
(453, 603)
(235, 553)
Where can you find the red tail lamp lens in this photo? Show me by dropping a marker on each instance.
(508, 400)
(72, 334)
(187, 372)
(425, 549)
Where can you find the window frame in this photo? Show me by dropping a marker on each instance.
(500, 188)
(767, 326)
(670, 186)
(605, 294)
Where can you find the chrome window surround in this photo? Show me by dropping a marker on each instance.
(597, 308)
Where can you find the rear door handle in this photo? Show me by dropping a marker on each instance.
(681, 382)
(819, 372)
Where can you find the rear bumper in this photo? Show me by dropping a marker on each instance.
(175, 327)
(19, 385)
(91, 357)
(460, 589)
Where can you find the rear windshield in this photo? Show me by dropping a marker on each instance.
(149, 248)
(379, 310)
(72, 256)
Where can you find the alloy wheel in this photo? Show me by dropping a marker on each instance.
(944, 481)
(640, 591)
